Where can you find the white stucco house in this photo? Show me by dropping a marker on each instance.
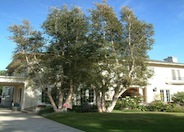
(168, 78)
(17, 92)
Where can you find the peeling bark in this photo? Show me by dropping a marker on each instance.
(52, 101)
(60, 104)
(70, 94)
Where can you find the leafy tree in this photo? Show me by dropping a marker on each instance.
(106, 31)
(124, 45)
(59, 66)
(28, 52)
(3, 72)
(136, 41)
(68, 44)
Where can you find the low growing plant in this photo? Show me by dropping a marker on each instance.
(84, 108)
(129, 103)
(175, 108)
(178, 98)
(46, 110)
(157, 106)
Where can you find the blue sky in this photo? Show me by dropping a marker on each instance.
(167, 16)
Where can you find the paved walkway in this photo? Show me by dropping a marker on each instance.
(11, 121)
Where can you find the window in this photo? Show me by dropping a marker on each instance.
(179, 76)
(91, 96)
(168, 96)
(87, 96)
(83, 96)
(44, 96)
(176, 74)
(9, 91)
(162, 95)
(165, 95)
(173, 74)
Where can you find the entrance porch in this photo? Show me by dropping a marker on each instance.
(12, 92)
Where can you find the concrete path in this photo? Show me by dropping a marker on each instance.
(11, 121)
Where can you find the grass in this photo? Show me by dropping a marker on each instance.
(122, 122)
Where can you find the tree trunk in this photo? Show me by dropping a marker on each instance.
(103, 102)
(70, 94)
(52, 101)
(60, 104)
(117, 94)
(98, 101)
(112, 105)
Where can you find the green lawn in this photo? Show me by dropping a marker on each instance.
(122, 122)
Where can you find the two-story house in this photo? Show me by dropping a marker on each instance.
(168, 78)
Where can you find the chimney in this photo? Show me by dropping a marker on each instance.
(171, 59)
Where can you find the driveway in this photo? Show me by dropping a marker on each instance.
(14, 121)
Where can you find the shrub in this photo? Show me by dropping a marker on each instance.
(175, 108)
(85, 108)
(178, 98)
(46, 110)
(130, 103)
(118, 105)
(76, 108)
(157, 106)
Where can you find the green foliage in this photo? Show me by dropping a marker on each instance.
(28, 40)
(3, 72)
(175, 108)
(178, 98)
(157, 106)
(137, 35)
(68, 50)
(127, 39)
(46, 110)
(84, 108)
(93, 50)
(129, 103)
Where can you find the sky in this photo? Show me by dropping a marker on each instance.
(167, 17)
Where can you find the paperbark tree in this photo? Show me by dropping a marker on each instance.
(124, 49)
(28, 52)
(137, 40)
(106, 30)
(57, 65)
(68, 30)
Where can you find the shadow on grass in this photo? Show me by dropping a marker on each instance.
(122, 122)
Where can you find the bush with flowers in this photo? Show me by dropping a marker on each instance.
(129, 103)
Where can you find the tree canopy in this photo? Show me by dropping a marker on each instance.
(101, 52)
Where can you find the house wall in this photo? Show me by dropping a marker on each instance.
(25, 95)
(162, 85)
(32, 96)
